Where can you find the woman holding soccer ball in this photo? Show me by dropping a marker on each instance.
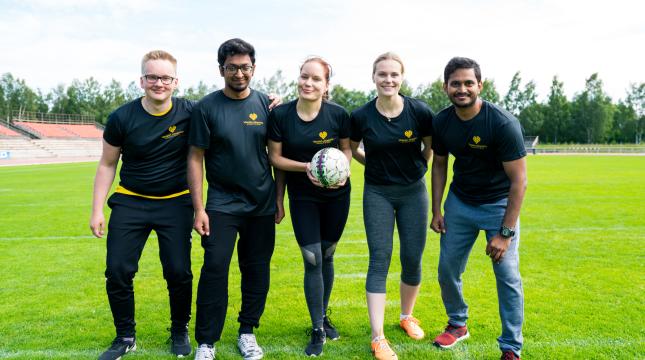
(393, 129)
(298, 130)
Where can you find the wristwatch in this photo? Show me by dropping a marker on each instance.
(506, 232)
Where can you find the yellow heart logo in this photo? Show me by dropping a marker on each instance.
(408, 133)
(322, 134)
(172, 129)
(476, 139)
(253, 116)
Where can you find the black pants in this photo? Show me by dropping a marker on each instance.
(254, 251)
(318, 227)
(131, 221)
(316, 222)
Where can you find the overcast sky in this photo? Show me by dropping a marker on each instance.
(53, 42)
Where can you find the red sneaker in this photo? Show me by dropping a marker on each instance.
(509, 355)
(451, 336)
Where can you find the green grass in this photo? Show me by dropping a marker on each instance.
(582, 253)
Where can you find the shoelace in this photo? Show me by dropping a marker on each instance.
(452, 329)
(383, 344)
(310, 331)
(249, 343)
(205, 350)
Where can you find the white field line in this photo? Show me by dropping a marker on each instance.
(401, 348)
(525, 230)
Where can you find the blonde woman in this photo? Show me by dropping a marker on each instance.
(393, 129)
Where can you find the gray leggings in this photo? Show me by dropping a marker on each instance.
(382, 205)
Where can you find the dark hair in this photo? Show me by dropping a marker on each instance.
(461, 63)
(234, 47)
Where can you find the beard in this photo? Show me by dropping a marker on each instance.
(237, 87)
(472, 100)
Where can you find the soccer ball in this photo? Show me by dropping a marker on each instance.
(330, 166)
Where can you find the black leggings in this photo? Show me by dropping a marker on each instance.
(254, 250)
(318, 226)
(131, 221)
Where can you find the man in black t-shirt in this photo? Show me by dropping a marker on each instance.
(150, 135)
(228, 132)
(486, 193)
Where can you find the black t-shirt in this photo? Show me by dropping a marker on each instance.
(302, 139)
(393, 146)
(154, 148)
(479, 146)
(233, 132)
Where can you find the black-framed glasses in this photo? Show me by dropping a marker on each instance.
(152, 79)
(232, 69)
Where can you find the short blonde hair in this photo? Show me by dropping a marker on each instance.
(388, 56)
(157, 55)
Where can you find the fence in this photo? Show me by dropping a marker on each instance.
(39, 117)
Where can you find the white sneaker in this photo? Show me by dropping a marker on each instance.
(205, 352)
(249, 347)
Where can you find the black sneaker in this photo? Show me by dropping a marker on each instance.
(330, 329)
(180, 342)
(315, 346)
(119, 347)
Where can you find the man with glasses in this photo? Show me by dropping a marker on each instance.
(228, 132)
(150, 135)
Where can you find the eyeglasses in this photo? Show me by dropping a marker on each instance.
(232, 69)
(152, 79)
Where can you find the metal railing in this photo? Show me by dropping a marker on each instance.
(588, 150)
(39, 117)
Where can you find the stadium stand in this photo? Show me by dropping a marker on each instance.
(45, 130)
(7, 132)
(49, 137)
(530, 143)
(47, 125)
(15, 148)
(84, 130)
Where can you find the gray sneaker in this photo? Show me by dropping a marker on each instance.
(205, 352)
(249, 347)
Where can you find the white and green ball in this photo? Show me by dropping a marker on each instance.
(330, 166)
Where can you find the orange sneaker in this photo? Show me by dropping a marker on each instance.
(411, 326)
(382, 351)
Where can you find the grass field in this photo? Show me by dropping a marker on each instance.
(582, 253)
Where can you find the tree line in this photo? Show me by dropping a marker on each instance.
(589, 117)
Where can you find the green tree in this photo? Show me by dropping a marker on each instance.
(349, 99)
(433, 95)
(406, 89)
(3, 105)
(133, 91)
(198, 92)
(532, 118)
(636, 100)
(557, 113)
(592, 112)
(278, 85)
(512, 101)
(489, 92)
(516, 99)
(18, 96)
(624, 124)
(111, 98)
